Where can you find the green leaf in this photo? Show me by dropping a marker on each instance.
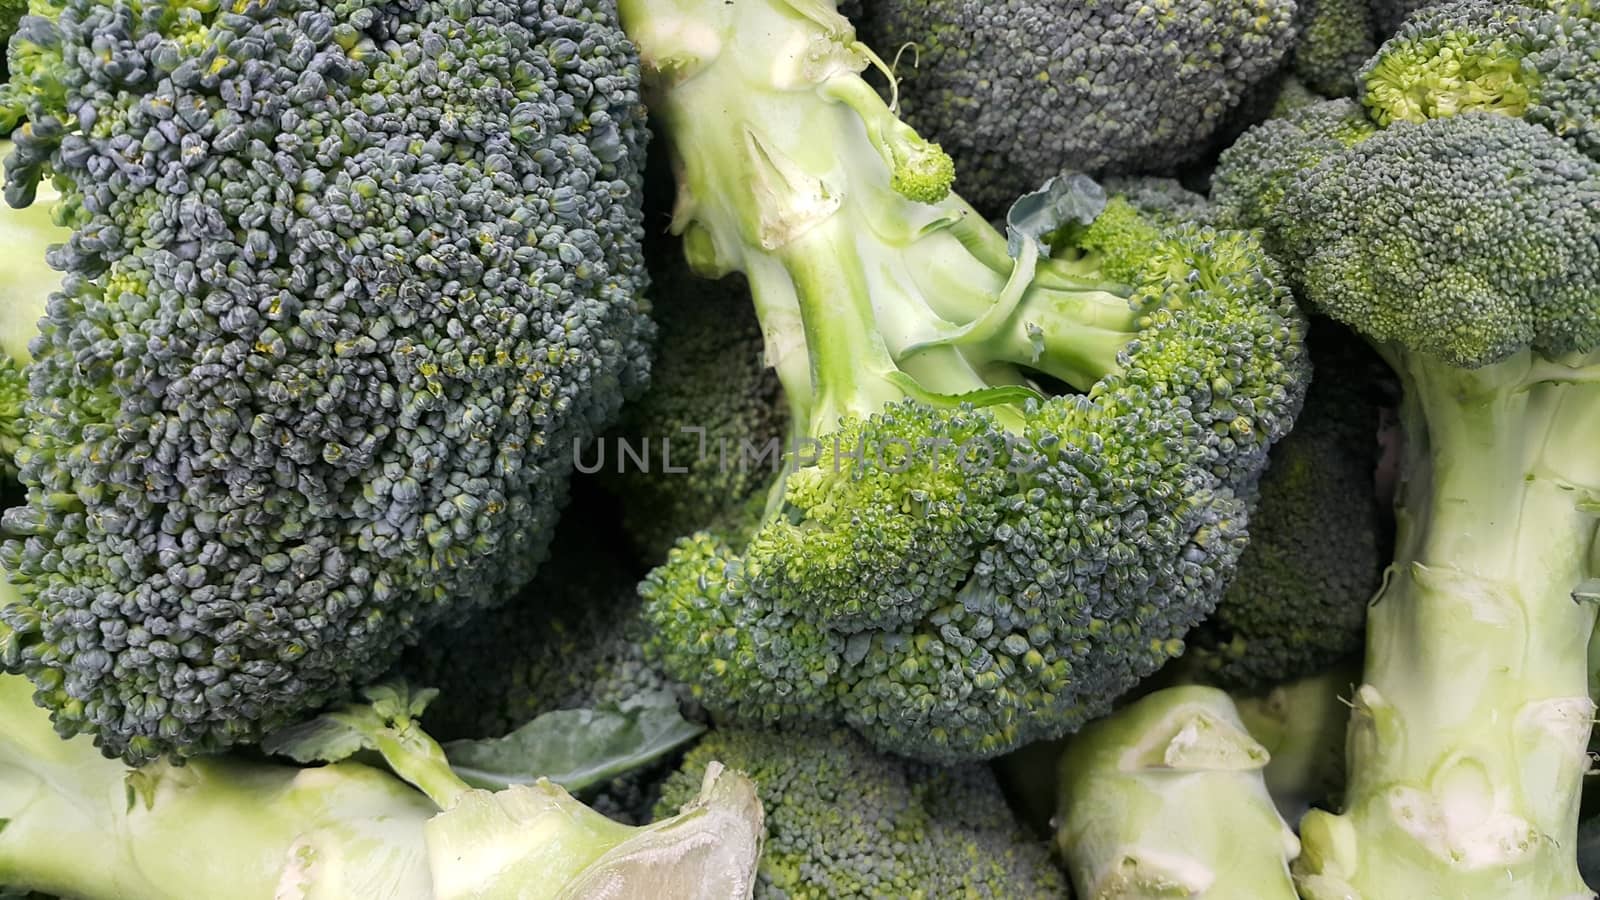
(576, 748)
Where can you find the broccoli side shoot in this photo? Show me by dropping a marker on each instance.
(1462, 246)
(343, 289)
(1026, 464)
(844, 821)
(1019, 90)
(1317, 548)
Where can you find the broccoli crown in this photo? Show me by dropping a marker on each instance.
(1335, 38)
(344, 287)
(571, 639)
(1298, 603)
(1123, 86)
(1254, 173)
(1029, 459)
(1534, 60)
(705, 429)
(1468, 238)
(844, 821)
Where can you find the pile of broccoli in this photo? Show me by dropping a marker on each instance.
(799, 448)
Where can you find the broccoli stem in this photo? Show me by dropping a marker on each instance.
(1468, 737)
(216, 828)
(786, 154)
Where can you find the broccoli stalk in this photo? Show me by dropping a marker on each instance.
(1165, 797)
(1469, 735)
(222, 827)
(1032, 455)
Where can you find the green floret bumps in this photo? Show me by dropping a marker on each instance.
(843, 821)
(345, 286)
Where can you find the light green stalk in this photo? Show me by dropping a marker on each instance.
(1165, 798)
(1467, 741)
(794, 172)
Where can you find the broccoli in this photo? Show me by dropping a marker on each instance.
(1166, 798)
(25, 284)
(844, 821)
(11, 13)
(1389, 15)
(1334, 38)
(344, 287)
(1018, 91)
(702, 429)
(1301, 724)
(1463, 248)
(1031, 474)
(234, 827)
(1299, 602)
(1535, 60)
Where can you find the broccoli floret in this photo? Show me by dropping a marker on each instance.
(1535, 60)
(709, 430)
(844, 821)
(1334, 38)
(345, 286)
(1030, 474)
(1019, 90)
(1299, 602)
(1166, 798)
(1463, 248)
(225, 826)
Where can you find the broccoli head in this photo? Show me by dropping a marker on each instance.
(1535, 60)
(344, 286)
(844, 821)
(1019, 90)
(1462, 246)
(1335, 37)
(1024, 467)
(1299, 602)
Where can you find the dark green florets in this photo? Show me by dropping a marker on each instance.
(1477, 233)
(1335, 38)
(708, 433)
(346, 285)
(1249, 186)
(1299, 602)
(1536, 61)
(843, 821)
(1017, 90)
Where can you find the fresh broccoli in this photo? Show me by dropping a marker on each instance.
(702, 431)
(1299, 602)
(844, 821)
(241, 829)
(344, 287)
(1334, 38)
(1535, 60)
(1389, 15)
(1166, 798)
(11, 13)
(1020, 90)
(1030, 474)
(26, 282)
(1464, 249)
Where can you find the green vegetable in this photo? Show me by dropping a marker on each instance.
(846, 822)
(1098, 398)
(1165, 797)
(1463, 247)
(1019, 90)
(332, 318)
